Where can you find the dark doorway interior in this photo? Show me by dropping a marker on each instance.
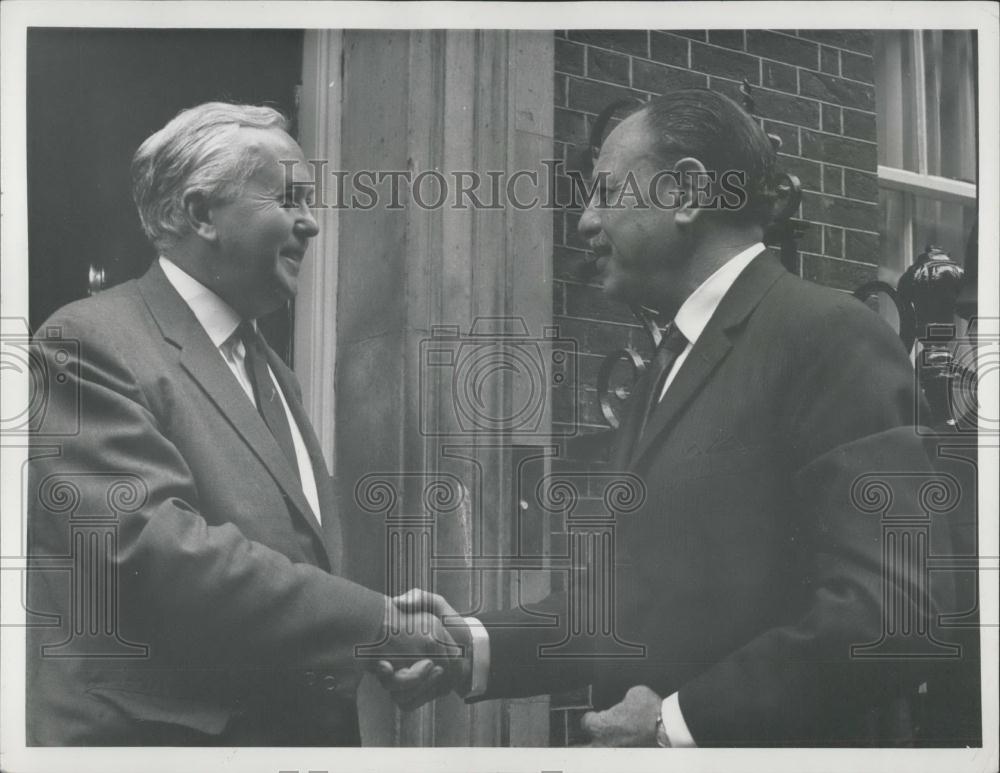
(93, 96)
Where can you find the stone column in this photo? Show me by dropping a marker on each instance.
(410, 284)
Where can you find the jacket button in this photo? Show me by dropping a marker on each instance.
(310, 678)
(329, 682)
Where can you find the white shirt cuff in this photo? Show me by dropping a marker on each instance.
(480, 657)
(674, 725)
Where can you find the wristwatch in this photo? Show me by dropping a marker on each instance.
(662, 739)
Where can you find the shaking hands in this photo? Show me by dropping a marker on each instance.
(427, 652)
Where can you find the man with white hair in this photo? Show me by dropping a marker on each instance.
(223, 618)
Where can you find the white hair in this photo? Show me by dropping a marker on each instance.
(195, 152)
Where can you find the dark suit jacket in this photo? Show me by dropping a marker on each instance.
(748, 573)
(222, 570)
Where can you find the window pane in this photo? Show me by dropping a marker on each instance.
(949, 75)
(895, 99)
(894, 257)
(948, 123)
(944, 224)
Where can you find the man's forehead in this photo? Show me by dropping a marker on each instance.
(627, 146)
(297, 169)
(275, 150)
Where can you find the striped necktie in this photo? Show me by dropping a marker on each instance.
(266, 394)
(672, 344)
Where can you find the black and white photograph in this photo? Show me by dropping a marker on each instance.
(499, 386)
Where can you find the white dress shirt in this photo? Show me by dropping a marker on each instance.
(697, 310)
(691, 319)
(220, 321)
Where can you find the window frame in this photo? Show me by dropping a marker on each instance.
(920, 183)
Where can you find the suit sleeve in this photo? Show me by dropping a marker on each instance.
(199, 593)
(850, 413)
(515, 636)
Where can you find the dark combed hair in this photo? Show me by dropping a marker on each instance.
(718, 132)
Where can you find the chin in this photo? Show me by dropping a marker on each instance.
(285, 287)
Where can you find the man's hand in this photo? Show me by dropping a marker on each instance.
(424, 680)
(629, 723)
(411, 636)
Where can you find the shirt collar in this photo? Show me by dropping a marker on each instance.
(697, 310)
(214, 314)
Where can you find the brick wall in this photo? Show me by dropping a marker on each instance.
(814, 89)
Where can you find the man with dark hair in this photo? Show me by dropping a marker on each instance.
(747, 574)
(212, 610)
(715, 130)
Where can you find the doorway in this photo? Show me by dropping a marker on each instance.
(93, 96)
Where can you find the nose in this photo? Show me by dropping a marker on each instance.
(306, 226)
(589, 225)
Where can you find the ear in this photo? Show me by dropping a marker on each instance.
(200, 216)
(694, 190)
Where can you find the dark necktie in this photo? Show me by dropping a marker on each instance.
(268, 400)
(670, 347)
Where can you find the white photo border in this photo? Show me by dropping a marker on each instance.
(18, 15)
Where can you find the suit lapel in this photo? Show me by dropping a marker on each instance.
(324, 485)
(200, 358)
(710, 350)
(707, 353)
(628, 434)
